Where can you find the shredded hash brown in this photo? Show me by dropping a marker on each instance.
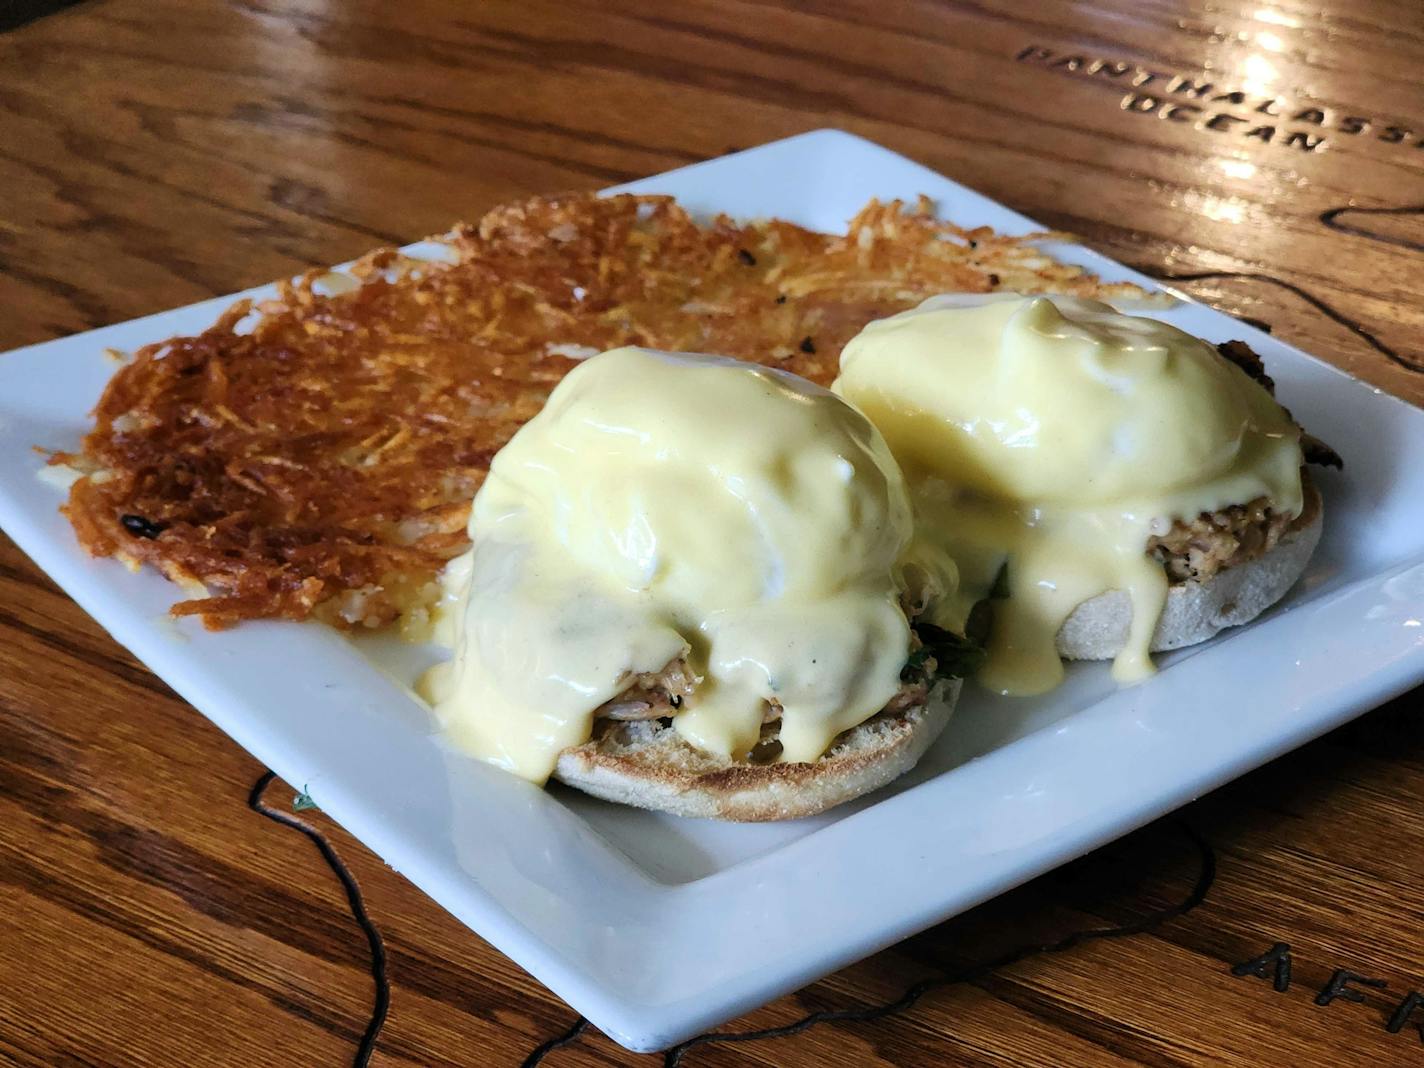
(316, 454)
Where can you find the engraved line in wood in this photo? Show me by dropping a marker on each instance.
(1318, 303)
(673, 1058)
(1331, 218)
(382, 1003)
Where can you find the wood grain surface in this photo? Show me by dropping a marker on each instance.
(155, 152)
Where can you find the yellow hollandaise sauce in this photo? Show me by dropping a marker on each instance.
(1047, 439)
(668, 505)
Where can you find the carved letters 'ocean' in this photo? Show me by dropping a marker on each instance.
(1222, 109)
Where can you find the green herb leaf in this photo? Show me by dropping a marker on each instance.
(955, 657)
(916, 663)
(303, 801)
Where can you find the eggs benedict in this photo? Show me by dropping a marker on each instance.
(687, 591)
(1121, 486)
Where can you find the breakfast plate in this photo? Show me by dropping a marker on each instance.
(656, 927)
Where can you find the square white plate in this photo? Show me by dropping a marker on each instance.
(657, 928)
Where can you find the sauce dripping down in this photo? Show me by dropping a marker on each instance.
(1047, 439)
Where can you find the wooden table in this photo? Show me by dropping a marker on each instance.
(154, 152)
